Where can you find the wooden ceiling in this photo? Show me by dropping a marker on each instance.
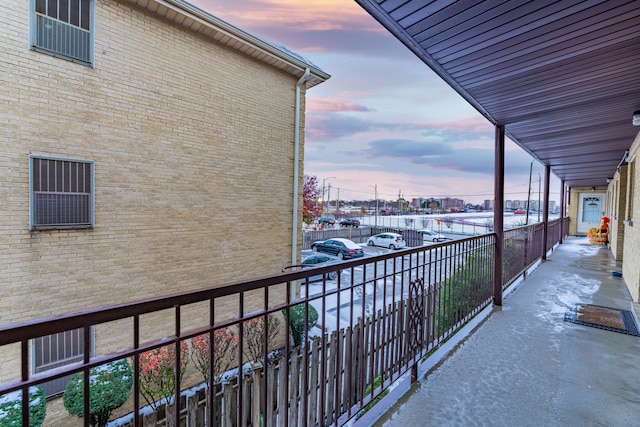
(563, 77)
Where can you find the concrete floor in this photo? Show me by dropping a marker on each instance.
(523, 365)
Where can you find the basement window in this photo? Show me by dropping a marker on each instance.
(53, 351)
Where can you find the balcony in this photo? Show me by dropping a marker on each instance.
(523, 364)
(375, 325)
(559, 80)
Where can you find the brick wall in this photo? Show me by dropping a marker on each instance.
(618, 195)
(631, 264)
(193, 151)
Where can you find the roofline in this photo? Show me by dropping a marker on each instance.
(237, 39)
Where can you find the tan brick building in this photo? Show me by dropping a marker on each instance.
(618, 201)
(148, 148)
(631, 219)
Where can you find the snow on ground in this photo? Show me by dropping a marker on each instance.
(459, 223)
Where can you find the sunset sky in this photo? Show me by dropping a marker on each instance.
(383, 118)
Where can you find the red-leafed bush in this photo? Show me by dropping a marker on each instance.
(158, 373)
(224, 352)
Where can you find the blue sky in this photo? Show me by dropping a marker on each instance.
(384, 118)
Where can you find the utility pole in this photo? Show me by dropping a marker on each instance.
(323, 199)
(376, 194)
(539, 197)
(375, 189)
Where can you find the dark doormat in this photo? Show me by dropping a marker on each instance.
(609, 319)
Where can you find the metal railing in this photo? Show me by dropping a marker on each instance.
(311, 353)
(523, 247)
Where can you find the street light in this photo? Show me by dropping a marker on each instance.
(375, 188)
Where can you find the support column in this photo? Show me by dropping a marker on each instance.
(545, 211)
(562, 210)
(498, 215)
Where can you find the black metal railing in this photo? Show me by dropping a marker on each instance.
(278, 350)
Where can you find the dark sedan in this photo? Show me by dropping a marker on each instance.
(325, 220)
(350, 222)
(342, 248)
(314, 261)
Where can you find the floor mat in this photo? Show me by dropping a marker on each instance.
(610, 319)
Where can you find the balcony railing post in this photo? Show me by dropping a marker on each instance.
(562, 211)
(545, 212)
(498, 215)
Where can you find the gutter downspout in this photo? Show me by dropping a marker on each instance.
(296, 170)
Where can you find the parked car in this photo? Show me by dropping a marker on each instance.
(325, 220)
(342, 248)
(314, 261)
(387, 240)
(350, 222)
(432, 236)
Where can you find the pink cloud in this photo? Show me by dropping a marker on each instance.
(473, 124)
(307, 15)
(333, 105)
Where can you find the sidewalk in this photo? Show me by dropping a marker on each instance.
(525, 366)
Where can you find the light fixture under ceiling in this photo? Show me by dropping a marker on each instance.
(636, 118)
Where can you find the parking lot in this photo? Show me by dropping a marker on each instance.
(373, 283)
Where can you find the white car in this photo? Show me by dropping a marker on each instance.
(387, 240)
(431, 236)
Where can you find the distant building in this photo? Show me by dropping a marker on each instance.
(452, 204)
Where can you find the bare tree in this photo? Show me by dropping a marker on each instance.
(254, 331)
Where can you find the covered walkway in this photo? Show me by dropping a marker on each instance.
(524, 365)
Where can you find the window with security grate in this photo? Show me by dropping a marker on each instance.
(63, 28)
(61, 193)
(52, 351)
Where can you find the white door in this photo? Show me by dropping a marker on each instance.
(590, 211)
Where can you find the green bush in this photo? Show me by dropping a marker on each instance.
(296, 321)
(467, 288)
(11, 408)
(110, 385)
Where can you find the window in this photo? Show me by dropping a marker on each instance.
(630, 189)
(61, 193)
(53, 351)
(63, 28)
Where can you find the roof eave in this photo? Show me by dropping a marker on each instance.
(194, 19)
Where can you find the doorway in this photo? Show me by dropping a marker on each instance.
(591, 209)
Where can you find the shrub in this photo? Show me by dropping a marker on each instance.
(225, 352)
(110, 385)
(297, 323)
(11, 408)
(158, 374)
(465, 290)
(254, 331)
